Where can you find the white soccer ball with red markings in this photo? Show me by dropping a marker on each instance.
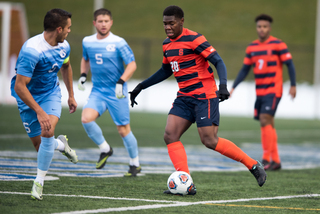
(180, 183)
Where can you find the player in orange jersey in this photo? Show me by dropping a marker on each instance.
(266, 55)
(186, 55)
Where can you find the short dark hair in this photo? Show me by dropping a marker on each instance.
(102, 11)
(264, 17)
(55, 18)
(173, 11)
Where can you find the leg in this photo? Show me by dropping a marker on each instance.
(36, 142)
(266, 124)
(131, 145)
(93, 130)
(175, 127)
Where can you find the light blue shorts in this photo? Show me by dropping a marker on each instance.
(51, 105)
(118, 108)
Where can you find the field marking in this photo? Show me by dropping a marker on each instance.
(263, 207)
(155, 206)
(92, 197)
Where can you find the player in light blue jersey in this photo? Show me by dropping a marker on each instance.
(104, 54)
(36, 89)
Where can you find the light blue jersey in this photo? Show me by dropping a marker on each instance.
(41, 62)
(106, 58)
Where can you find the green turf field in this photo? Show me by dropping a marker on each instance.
(217, 192)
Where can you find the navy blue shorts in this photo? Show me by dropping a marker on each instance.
(266, 105)
(204, 112)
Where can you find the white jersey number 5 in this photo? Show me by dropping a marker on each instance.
(99, 60)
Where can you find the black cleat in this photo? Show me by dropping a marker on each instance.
(273, 166)
(191, 191)
(265, 162)
(133, 171)
(103, 159)
(259, 173)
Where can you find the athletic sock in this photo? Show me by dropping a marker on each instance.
(59, 145)
(134, 161)
(45, 153)
(274, 151)
(230, 150)
(130, 142)
(178, 156)
(104, 147)
(94, 132)
(266, 141)
(40, 176)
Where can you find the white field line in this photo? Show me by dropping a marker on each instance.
(155, 206)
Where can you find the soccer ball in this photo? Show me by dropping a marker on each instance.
(180, 183)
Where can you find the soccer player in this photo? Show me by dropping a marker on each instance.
(104, 54)
(36, 89)
(266, 55)
(185, 54)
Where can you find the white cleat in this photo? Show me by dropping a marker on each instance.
(68, 152)
(36, 191)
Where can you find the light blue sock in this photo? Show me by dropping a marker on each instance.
(45, 153)
(130, 142)
(94, 132)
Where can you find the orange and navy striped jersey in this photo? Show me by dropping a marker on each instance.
(187, 55)
(267, 58)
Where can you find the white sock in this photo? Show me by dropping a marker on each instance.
(104, 147)
(40, 176)
(134, 161)
(60, 146)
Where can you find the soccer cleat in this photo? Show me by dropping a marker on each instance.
(133, 171)
(192, 190)
(273, 166)
(103, 159)
(36, 191)
(259, 173)
(68, 152)
(265, 163)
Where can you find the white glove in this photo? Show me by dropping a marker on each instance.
(81, 82)
(119, 89)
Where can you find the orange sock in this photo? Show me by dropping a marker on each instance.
(229, 149)
(178, 156)
(267, 137)
(274, 151)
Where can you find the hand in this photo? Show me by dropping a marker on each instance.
(134, 94)
(293, 92)
(231, 92)
(82, 80)
(72, 105)
(119, 89)
(223, 92)
(44, 120)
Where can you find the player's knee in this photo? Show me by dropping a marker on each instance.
(124, 130)
(169, 137)
(210, 142)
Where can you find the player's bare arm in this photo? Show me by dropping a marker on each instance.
(128, 72)
(66, 72)
(25, 95)
(293, 91)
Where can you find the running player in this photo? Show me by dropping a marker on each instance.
(36, 89)
(104, 54)
(266, 55)
(185, 54)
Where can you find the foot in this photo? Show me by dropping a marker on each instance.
(191, 191)
(36, 191)
(273, 166)
(133, 171)
(103, 159)
(259, 173)
(68, 152)
(265, 162)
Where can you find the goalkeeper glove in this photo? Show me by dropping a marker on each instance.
(134, 94)
(82, 80)
(223, 92)
(119, 89)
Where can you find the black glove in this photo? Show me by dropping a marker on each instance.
(134, 94)
(223, 92)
